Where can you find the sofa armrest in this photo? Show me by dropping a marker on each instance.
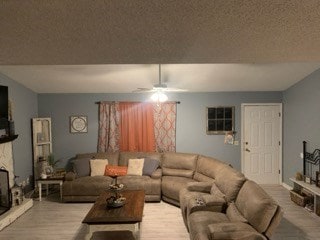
(204, 187)
(157, 174)
(70, 176)
(206, 202)
(234, 230)
(213, 200)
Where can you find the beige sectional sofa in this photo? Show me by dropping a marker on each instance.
(216, 201)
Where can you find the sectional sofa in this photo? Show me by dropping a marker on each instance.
(216, 201)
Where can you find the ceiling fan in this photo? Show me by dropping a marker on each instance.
(159, 87)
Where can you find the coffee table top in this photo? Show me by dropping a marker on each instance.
(131, 212)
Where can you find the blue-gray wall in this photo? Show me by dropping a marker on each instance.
(301, 104)
(25, 107)
(191, 121)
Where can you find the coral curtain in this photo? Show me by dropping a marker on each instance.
(109, 120)
(165, 126)
(137, 127)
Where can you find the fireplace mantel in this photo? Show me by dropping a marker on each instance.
(8, 139)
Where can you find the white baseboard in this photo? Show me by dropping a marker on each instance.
(286, 186)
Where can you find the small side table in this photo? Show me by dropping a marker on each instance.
(49, 181)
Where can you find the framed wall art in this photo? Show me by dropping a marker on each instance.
(78, 124)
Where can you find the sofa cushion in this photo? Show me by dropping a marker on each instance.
(113, 171)
(207, 168)
(149, 166)
(135, 166)
(233, 230)
(86, 186)
(97, 166)
(179, 164)
(234, 215)
(81, 167)
(256, 206)
(199, 221)
(229, 181)
(199, 187)
(171, 186)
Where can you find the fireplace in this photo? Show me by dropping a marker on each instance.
(5, 198)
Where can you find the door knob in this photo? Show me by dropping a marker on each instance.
(247, 150)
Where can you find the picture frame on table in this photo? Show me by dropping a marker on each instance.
(307, 179)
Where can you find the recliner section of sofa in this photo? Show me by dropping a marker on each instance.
(253, 215)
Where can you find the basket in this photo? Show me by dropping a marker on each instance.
(299, 198)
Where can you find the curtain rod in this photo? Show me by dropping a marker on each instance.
(177, 102)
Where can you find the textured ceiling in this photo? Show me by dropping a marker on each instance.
(251, 45)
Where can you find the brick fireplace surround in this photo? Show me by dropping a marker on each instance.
(6, 161)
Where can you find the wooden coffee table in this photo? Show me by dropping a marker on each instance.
(127, 217)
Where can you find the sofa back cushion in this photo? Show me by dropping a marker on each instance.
(256, 206)
(112, 157)
(207, 168)
(229, 181)
(179, 164)
(125, 156)
(234, 215)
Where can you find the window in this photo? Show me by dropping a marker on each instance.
(220, 120)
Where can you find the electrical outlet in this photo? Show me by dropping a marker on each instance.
(236, 143)
(28, 180)
(301, 155)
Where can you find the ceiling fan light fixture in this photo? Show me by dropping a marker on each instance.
(159, 97)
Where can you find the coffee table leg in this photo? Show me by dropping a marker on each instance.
(136, 232)
(88, 232)
(39, 189)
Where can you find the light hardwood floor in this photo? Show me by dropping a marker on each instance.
(51, 219)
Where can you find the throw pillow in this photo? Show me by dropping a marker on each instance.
(135, 166)
(149, 166)
(98, 166)
(234, 215)
(81, 167)
(114, 171)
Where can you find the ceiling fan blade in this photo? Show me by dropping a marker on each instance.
(140, 90)
(174, 90)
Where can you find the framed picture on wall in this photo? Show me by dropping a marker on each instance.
(78, 124)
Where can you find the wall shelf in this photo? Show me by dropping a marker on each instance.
(8, 139)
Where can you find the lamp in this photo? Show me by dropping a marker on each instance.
(159, 96)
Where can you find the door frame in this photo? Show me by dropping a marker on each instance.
(243, 105)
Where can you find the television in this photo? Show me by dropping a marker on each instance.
(4, 106)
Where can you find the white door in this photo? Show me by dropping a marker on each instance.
(261, 146)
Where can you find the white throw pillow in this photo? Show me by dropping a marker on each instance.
(98, 166)
(135, 166)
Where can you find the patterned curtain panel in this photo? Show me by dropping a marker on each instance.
(165, 126)
(109, 120)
